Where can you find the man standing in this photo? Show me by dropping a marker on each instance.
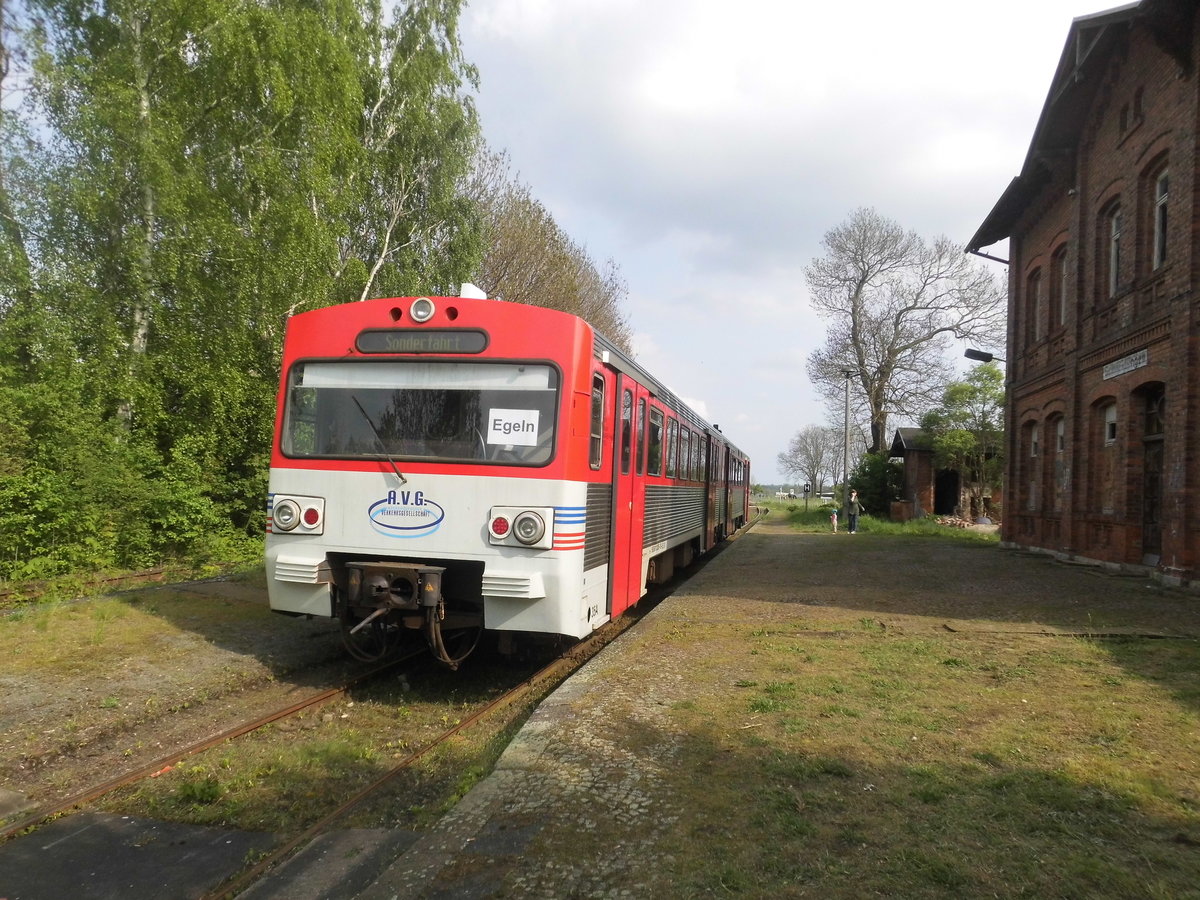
(853, 508)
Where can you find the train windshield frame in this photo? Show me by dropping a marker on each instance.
(482, 412)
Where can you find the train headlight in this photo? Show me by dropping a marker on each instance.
(422, 309)
(293, 514)
(529, 528)
(522, 526)
(286, 515)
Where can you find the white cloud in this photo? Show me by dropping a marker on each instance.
(708, 147)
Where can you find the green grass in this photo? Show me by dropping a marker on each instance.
(815, 518)
(947, 766)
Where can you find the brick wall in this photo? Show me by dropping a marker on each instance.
(1092, 383)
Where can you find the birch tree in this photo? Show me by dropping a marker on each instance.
(411, 229)
(207, 167)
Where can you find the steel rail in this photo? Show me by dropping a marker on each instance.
(96, 791)
(588, 647)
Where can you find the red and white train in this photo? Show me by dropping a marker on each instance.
(447, 465)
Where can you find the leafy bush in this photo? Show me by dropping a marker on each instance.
(878, 481)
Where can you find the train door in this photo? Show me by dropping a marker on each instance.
(710, 496)
(629, 495)
(721, 483)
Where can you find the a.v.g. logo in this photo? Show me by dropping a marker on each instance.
(405, 514)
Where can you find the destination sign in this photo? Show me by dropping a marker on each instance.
(421, 340)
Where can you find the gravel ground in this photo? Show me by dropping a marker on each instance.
(588, 800)
(582, 803)
(97, 687)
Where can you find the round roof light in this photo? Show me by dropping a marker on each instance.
(422, 309)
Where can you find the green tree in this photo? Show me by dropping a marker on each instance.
(966, 432)
(878, 481)
(207, 168)
(412, 227)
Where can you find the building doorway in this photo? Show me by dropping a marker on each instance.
(946, 493)
(1152, 471)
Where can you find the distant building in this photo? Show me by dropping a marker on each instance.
(1103, 380)
(927, 489)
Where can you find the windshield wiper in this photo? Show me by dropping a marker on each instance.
(379, 440)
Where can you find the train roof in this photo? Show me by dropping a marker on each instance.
(618, 358)
(606, 349)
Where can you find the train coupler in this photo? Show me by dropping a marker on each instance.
(393, 586)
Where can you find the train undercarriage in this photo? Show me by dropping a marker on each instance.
(378, 602)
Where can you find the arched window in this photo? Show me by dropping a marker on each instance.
(1059, 288)
(1159, 251)
(1056, 459)
(1102, 493)
(1035, 305)
(1111, 261)
(1032, 464)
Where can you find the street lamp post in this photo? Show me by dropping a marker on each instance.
(981, 355)
(848, 373)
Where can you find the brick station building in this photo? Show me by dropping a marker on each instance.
(1103, 350)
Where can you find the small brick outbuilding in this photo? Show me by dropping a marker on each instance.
(929, 490)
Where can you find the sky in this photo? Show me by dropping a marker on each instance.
(707, 147)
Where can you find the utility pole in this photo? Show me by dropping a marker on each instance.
(849, 373)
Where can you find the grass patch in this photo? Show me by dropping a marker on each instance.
(815, 519)
(944, 766)
(292, 773)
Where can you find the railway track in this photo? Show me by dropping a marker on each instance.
(34, 590)
(528, 691)
(545, 678)
(163, 763)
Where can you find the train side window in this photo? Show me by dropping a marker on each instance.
(685, 454)
(596, 449)
(654, 451)
(672, 446)
(626, 430)
(641, 436)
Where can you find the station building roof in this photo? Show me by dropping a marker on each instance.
(1090, 42)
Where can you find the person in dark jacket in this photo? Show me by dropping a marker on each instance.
(853, 508)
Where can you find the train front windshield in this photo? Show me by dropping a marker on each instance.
(500, 413)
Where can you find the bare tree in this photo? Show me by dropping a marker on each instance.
(530, 259)
(894, 303)
(813, 454)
